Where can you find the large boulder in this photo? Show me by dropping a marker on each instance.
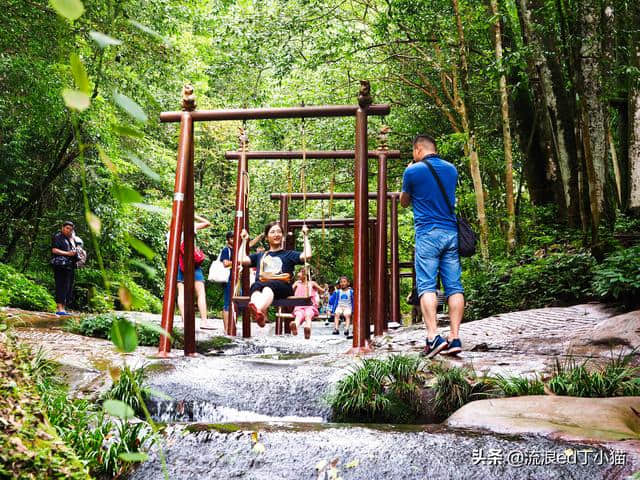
(570, 418)
(619, 331)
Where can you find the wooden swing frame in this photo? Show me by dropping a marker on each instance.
(183, 209)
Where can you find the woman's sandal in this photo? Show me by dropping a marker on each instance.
(256, 314)
(307, 333)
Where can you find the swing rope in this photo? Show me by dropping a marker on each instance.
(243, 138)
(303, 187)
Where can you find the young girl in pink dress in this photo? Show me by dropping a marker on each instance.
(305, 314)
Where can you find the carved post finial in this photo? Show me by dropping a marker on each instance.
(243, 138)
(383, 137)
(188, 99)
(364, 95)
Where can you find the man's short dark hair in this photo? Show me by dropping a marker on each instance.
(423, 139)
(68, 224)
(229, 235)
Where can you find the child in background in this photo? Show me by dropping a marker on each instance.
(344, 306)
(303, 288)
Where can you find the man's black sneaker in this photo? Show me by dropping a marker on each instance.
(455, 347)
(434, 347)
(346, 333)
(336, 331)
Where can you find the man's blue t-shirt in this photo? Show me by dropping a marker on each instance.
(429, 207)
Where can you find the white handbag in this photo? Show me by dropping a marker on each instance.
(218, 272)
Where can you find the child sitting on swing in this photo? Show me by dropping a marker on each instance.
(305, 314)
(274, 270)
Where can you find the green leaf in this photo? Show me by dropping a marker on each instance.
(79, 73)
(129, 106)
(118, 409)
(158, 394)
(125, 194)
(143, 166)
(154, 327)
(70, 9)
(127, 131)
(94, 222)
(141, 247)
(149, 271)
(150, 31)
(76, 100)
(123, 335)
(106, 160)
(103, 40)
(153, 208)
(133, 456)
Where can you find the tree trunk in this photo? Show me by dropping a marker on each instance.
(634, 120)
(467, 125)
(592, 117)
(556, 105)
(506, 132)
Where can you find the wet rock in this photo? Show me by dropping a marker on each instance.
(580, 419)
(621, 330)
(307, 451)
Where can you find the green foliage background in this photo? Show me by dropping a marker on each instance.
(249, 53)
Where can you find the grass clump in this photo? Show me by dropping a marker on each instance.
(455, 387)
(516, 386)
(83, 426)
(125, 386)
(617, 378)
(380, 391)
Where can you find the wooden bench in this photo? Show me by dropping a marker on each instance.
(279, 304)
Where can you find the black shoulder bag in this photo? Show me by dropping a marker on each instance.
(467, 238)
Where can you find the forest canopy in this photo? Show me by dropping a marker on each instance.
(536, 102)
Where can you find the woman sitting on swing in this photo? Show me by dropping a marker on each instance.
(274, 270)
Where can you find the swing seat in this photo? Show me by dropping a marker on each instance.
(279, 304)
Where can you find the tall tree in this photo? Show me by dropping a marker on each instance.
(634, 114)
(506, 129)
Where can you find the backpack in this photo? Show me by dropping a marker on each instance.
(198, 256)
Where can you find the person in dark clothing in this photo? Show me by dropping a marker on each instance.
(64, 264)
(275, 268)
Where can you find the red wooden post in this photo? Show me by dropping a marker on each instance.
(381, 241)
(360, 237)
(177, 213)
(371, 281)
(395, 267)
(189, 319)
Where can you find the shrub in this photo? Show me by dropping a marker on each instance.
(29, 445)
(124, 389)
(618, 277)
(22, 292)
(379, 391)
(141, 300)
(505, 286)
(616, 378)
(99, 326)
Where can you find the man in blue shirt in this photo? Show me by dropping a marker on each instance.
(436, 242)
